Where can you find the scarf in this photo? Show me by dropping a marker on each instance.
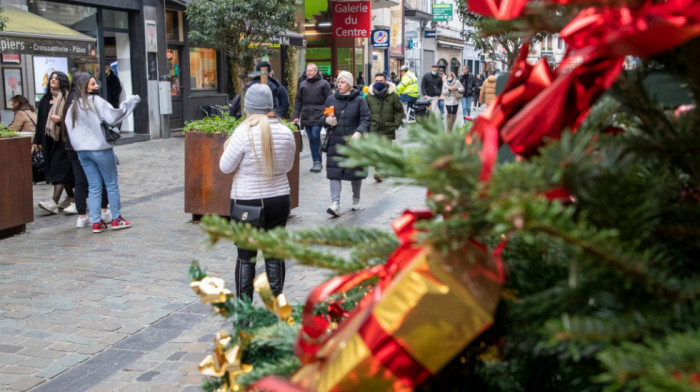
(52, 128)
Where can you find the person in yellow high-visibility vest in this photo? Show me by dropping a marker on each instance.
(408, 87)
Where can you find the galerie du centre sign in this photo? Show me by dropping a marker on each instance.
(352, 19)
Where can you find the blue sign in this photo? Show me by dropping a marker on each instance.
(430, 33)
(380, 38)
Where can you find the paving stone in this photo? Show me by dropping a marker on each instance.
(52, 371)
(6, 348)
(25, 384)
(39, 353)
(148, 376)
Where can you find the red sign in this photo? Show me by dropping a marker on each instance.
(352, 19)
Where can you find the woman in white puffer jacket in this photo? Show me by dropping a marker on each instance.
(260, 151)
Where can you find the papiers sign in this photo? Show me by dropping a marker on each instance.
(352, 19)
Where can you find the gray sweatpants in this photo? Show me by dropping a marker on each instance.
(337, 185)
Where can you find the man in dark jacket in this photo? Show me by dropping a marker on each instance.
(385, 108)
(431, 86)
(114, 87)
(469, 83)
(308, 108)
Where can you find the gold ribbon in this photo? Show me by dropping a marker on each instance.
(211, 290)
(225, 362)
(278, 306)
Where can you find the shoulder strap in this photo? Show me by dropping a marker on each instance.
(29, 117)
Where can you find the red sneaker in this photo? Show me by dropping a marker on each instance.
(99, 227)
(120, 223)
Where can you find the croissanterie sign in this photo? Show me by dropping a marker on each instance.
(352, 19)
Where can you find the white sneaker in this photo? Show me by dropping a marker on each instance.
(106, 216)
(83, 222)
(49, 206)
(66, 203)
(70, 210)
(355, 203)
(334, 209)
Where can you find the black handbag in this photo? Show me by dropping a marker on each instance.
(38, 167)
(326, 142)
(253, 215)
(111, 132)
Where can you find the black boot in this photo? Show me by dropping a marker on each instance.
(245, 273)
(275, 270)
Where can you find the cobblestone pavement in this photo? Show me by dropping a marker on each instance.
(113, 311)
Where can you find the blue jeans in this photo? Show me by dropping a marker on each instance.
(101, 166)
(441, 105)
(409, 101)
(466, 105)
(314, 134)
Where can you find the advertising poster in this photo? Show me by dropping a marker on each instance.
(43, 67)
(12, 78)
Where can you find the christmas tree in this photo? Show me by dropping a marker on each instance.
(595, 227)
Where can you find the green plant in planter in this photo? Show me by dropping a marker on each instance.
(7, 132)
(221, 124)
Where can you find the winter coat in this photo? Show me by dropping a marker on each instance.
(114, 89)
(431, 85)
(249, 183)
(310, 98)
(488, 90)
(452, 97)
(386, 111)
(280, 98)
(24, 121)
(353, 115)
(468, 81)
(57, 165)
(408, 85)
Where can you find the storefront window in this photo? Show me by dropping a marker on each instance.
(115, 19)
(359, 63)
(344, 59)
(172, 25)
(203, 69)
(173, 56)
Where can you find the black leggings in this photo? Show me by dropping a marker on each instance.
(452, 109)
(276, 212)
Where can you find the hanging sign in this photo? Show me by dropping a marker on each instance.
(352, 19)
(380, 38)
(442, 12)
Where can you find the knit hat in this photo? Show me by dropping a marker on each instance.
(346, 77)
(258, 99)
(263, 64)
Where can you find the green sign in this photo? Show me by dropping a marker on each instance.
(442, 12)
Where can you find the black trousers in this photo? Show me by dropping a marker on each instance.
(276, 212)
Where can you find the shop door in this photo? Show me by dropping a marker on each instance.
(174, 55)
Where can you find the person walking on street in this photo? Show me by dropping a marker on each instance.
(350, 118)
(261, 151)
(488, 91)
(431, 85)
(452, 90)
(96, 156)
(361, 79)
(479, 82)
(114, 87)
(25, 118)
(50, 138)
(394, 79)
(385, 108)
(441, 101)
(407, 88)
(308, 107)
(279, 93)
(469, 83)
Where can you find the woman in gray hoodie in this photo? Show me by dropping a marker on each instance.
(97, 158)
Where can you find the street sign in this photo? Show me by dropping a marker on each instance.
(380, 38)
(442, 12)
(430, 33)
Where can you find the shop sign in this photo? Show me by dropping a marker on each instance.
(430, 33)
(380, 38)
(352, 19)
(442, 12)
(46, 47)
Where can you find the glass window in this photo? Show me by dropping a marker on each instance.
(173, 56)
(203, 69)
(115, 19)
(172, 25)
(318, 53)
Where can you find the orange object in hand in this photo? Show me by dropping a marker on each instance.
(329, 111)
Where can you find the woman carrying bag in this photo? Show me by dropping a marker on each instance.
(84, 122)
(453, 90)
(260, 152)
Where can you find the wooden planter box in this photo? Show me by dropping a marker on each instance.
(16, 196)
(207, 189)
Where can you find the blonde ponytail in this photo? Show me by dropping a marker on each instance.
(263, 123)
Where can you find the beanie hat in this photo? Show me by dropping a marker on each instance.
(263, 64)
(258, 99)
(346, 77)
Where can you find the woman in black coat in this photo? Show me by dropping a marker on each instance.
(351, 118)
(51, 137)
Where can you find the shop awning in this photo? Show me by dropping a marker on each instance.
(27, 33)
(450, 44)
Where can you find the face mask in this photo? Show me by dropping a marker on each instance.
(450, 80)
(433, 73)
(96, 92)
(379, 86)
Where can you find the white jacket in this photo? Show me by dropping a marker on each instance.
(86, 134)
(249, 182)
